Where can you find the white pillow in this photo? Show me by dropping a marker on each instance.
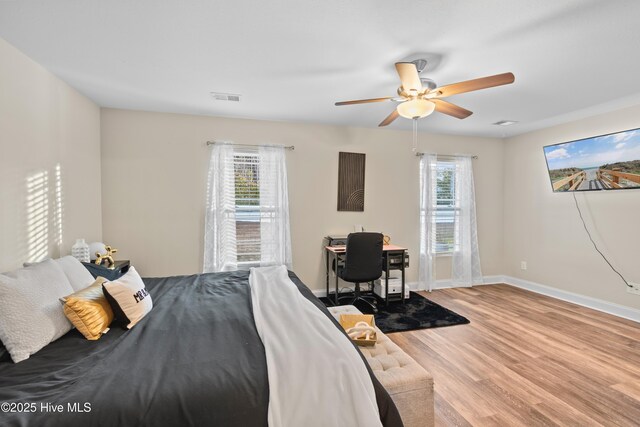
(30, 312)
(128, 298)
(78, 275)
(29, 264)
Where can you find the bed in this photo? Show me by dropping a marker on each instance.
(196, 359)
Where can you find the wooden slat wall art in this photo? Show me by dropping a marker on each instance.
(351, 182)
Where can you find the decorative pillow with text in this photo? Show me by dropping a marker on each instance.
(128, 298)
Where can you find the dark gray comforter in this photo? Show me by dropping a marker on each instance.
(196, 359)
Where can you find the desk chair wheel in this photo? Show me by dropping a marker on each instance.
(369, 303)
(369, 300)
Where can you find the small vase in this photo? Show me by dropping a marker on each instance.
(80, 251)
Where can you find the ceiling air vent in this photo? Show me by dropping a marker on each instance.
(219, 96)
(505, 123)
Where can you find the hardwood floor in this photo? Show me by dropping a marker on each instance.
(528, 360)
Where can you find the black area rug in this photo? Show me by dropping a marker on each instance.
(417, 312)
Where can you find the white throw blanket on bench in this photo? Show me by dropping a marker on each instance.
(316, 377)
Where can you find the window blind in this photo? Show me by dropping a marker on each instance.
(246, 174)
(446, 210)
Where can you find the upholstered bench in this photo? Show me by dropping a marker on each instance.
(409, 384)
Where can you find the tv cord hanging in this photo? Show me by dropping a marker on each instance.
(594, 243)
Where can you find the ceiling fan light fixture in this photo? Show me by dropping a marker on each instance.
(415, 108)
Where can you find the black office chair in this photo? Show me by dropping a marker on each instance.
(363, 263)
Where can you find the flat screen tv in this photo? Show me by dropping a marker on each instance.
(605, 162)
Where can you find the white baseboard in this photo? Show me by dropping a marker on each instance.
(493, 280)
(486, 280)
(440, 284)
(585, 301)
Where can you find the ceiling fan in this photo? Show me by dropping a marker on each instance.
(419, 97)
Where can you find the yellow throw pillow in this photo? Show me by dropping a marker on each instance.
(89, 310)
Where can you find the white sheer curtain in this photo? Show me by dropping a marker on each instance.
(465, 263)
(275, 238)
(220, 252)
(266, 201)
(427, 267)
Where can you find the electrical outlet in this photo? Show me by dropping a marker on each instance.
(523, 265)
(634, 288)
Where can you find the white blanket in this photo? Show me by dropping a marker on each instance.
(316, 376)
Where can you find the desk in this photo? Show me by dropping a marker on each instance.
(390, 253)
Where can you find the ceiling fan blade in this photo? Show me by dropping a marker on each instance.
(390, 118)
(409, 76)
(364, 101)
(475, 84)
(450, 109)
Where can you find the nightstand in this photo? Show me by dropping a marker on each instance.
(119, 268)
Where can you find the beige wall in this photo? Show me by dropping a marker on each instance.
(154, 174)
(49, 163)
(59, 153)
(544, 229)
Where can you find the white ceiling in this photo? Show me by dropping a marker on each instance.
(292, 59)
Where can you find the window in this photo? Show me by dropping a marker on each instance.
(448, 219)
(446, 209)
(440, 206)
(247, 208)
(247, 214)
